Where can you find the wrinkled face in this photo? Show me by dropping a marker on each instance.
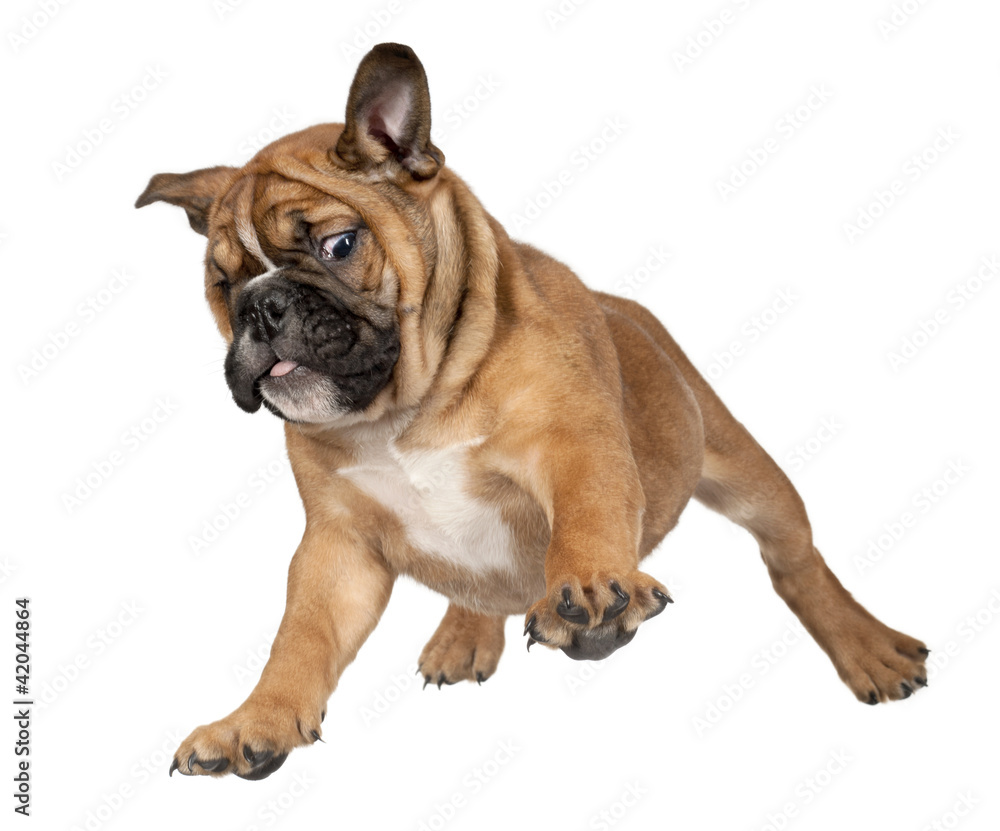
(299, 273)
(303, 288)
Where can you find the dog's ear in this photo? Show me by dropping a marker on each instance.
(389, 115)
(194, 192)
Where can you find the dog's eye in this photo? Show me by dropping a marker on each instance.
(222, 284)
(338, 246)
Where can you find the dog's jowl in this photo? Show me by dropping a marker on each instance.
(460, 408)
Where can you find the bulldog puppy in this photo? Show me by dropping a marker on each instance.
(460, 408)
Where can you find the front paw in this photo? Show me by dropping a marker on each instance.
(252, 742)
(588, 619)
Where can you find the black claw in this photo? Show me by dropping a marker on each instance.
(872, 698)
(173, 767)
(191, 760)
(322, 716)
(907, 690)
(663, 598)
(427, 680)
(532, 632)
(420, 667)
(618, 606)
(316, 737)
(923, 650)
(213, 766)
(254, 759)
(568, 610)
(921, 681)
(480, 678)
(531, 643)
(442, 680)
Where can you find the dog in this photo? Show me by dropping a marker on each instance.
(461, 409)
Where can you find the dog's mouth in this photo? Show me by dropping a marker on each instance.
(259, 373)
(304, 374)
(301, 353)
(282, 368)
(278, 374)
(284, 377)
(294, 392)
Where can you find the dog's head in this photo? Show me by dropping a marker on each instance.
(321, 247)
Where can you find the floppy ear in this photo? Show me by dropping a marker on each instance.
(194, 192)
(389, 114)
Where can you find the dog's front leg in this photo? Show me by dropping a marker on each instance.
(338, 588)
(596, 597)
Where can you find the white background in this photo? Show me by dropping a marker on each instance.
(783, 743)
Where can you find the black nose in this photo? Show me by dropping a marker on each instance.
(262, 315)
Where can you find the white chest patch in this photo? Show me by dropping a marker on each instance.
(428, 490)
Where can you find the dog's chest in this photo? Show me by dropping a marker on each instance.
(431, 493)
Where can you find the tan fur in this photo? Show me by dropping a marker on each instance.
(465, 647)
(581, 421)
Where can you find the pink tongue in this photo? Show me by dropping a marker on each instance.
(282, 368)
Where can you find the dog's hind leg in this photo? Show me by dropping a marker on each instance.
(742, 482)
(465, 647)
